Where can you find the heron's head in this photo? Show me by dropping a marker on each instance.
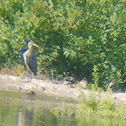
(30, 44)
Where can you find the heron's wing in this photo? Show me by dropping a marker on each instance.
(32, 63)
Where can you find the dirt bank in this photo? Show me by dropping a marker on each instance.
(39, 87)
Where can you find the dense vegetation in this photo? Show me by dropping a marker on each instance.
(76, 37)
(105, 109)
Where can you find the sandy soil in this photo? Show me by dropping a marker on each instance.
(39, 87)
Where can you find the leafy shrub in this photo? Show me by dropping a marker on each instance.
(74, 36)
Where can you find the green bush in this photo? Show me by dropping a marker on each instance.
(75, 37)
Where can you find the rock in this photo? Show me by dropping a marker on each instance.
(69, 81)
(113, 86)
(84, 83)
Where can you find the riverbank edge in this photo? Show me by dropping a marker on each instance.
(56, 89)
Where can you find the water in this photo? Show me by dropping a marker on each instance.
(17, 109)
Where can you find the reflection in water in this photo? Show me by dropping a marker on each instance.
(19, 118)
(28, 116)
(27, 110)
(35, 117)
(16, 110)
(25, 118)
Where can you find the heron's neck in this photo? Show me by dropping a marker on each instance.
(30, 49)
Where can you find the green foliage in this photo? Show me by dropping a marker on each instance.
(100, 108)
(95, 75)
(93, 107)
(84, 38)
(108, 105)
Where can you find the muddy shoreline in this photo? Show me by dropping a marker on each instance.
(47, 87)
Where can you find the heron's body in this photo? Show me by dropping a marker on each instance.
(30, 59)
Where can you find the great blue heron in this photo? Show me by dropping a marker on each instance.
(30, 59)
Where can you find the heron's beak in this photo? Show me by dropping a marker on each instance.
(34, 44)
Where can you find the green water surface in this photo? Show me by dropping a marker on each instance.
(18, 109)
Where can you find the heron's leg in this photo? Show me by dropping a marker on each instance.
(30, 76)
